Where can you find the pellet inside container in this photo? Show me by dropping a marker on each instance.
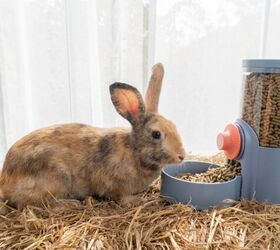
(261, 107)
(212, 175)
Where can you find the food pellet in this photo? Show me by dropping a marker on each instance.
(212, 175)
(261, 107)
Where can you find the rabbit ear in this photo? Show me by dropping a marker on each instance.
(128, 102)
(154, 88)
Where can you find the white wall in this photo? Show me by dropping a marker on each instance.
(202, 44)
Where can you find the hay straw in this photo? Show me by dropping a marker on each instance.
(152, 225)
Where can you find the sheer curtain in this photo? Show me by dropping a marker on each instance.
(58, 58)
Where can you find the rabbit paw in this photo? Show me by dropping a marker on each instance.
(131, 200)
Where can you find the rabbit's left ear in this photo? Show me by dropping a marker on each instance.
(154, 88)
(128, 102)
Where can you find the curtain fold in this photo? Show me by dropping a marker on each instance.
(58, 58)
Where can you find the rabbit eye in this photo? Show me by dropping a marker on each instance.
(156, 134)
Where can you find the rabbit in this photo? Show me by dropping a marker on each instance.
(72, 161)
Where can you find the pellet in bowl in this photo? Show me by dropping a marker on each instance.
(221, 174)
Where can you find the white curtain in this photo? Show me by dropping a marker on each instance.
(58, 57)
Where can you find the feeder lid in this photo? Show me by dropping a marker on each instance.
(261, 65)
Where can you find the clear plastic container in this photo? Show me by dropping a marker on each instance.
(261, 100)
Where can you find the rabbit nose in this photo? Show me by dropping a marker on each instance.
(181, 157)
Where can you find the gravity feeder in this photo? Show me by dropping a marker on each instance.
(253, 141)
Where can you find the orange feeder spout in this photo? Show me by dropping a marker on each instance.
(230, 141)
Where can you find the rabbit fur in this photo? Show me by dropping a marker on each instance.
(77, 160)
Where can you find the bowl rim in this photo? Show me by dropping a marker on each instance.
(199, 182)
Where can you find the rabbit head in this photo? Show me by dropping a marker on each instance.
(154, 138)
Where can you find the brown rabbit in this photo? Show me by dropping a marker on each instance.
(76, 160)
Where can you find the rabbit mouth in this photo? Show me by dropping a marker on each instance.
(161, 158)
(156, 160)
(157, 164)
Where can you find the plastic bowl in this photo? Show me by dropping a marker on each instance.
(200, 195)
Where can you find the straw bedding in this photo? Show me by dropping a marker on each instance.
(153, 224)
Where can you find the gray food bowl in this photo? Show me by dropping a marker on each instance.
(198, 194)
